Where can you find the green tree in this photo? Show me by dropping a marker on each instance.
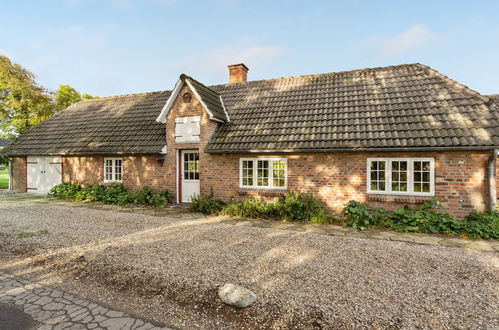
(67, 95)
(23, 103)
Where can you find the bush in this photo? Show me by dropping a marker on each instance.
(424, 219)
(483, 224)
(115, 193)
(294, 207)
(148, 196)
(206, 204)
(65, 190)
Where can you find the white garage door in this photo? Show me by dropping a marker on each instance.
(44, 173)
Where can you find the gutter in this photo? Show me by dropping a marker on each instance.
(402, 149)
(491, 180)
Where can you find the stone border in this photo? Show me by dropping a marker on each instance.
(325, 229)
(56, 309)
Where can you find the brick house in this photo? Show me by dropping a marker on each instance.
(391, 136)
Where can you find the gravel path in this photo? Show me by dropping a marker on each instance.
(169, 269)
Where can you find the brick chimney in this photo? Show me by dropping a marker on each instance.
(238, 73)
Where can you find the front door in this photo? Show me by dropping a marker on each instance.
(189, 176)
(43, 173)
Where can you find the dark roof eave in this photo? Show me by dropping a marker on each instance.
(352, 150)
(83, 153)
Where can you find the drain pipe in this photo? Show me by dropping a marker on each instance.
(10, 174)
(491, 179)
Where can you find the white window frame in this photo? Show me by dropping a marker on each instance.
(410, 179)
(271, 173)
(113, 170)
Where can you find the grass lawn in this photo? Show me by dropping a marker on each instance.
(4, 179)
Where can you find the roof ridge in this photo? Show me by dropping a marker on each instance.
(197, 81)
(378, 68)
(453, 83)
(104, 98)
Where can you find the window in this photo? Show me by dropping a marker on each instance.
(409, 176)
(187, 129)
(112, 170)
(191, 166)
(264, 173)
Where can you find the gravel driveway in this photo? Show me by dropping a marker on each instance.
(169, 268)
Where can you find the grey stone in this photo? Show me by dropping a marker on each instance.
(237, 296)
(118, 323)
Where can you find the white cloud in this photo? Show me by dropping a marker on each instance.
(416, 36)
(214, 62)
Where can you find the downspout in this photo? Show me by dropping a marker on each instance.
(491, 180)
(10, 174)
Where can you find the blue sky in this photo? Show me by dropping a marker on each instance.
(109, 47)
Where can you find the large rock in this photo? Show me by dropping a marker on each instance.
(235, 295)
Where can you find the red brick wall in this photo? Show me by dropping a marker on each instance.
(337, 178)
(181, 109)
(334, 178)
(19, 177)
(138, 170)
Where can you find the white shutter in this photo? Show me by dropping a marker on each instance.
(187, 129)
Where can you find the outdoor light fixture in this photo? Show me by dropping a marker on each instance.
(161, 159)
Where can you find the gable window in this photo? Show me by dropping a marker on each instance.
(113, 170)
(401, 176)
(265, 173)
(187, 129)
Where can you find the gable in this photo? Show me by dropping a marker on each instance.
(211, 101)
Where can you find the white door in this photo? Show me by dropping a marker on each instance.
(189, 180)
(44, 173)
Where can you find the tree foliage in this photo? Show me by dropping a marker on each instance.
(67, 95)
(24, 103)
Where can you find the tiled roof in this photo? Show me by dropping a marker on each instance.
(120, 124)
(395, 107)
(209, 98)
(4, 143)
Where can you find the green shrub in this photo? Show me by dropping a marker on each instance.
(148, 196)
(357, 215)
(65, 190)
(483, 224)
(302, 207)
(206, 204)
(89, 192)
(424, 219)
(115, 193)
(294, 207)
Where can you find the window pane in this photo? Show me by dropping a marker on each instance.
(426, 166)
(378, 175)
(426, 187)
(417, 176)
(417, 166)
(278, 173)
(247, 173)
(417, 187)
(263, 173)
